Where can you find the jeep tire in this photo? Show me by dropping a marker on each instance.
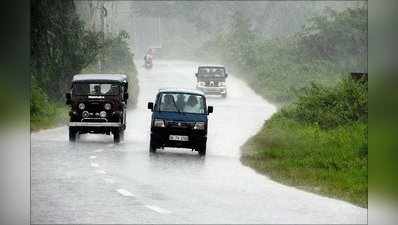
(116, 135)
(72, 134)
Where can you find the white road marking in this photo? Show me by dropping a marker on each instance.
(93, 157)
(99, 150)
(158, 209)
(94, 165)
(109, 180)
(100, 171)
(125, 193)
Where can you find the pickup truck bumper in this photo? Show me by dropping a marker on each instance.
(213, 90)
(160, 137)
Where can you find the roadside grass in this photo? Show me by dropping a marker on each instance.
(330, 162)
(55, 115)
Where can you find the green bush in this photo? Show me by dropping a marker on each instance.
(44, 113)
(328, 107)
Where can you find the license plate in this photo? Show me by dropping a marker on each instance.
(178, 138)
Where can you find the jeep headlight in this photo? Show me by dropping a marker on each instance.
(107, 106)
(103, 114)
(199, 126)
(85, 114)
(158, 123)
(82, 106)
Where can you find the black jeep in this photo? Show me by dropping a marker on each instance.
(98, 105)
(211, 80)
(179, 119)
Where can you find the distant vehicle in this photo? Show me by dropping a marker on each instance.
(148, 62)
(98, 104)
(211, 80)
(155, 51)
(179, 119)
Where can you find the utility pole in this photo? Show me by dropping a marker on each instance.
(103, 14)
(159, 30)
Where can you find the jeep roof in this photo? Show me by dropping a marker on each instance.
(181, 90)
(100, 77)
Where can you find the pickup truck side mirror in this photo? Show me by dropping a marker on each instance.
(126, 96)
(68, 98)
(150, 106)
(209, 109)
(196, 74)
(226, 75)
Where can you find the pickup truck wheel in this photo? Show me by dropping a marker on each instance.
(72, 134)
(152, 147)
(116, 136)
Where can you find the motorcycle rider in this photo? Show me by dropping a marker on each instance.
(148, 56)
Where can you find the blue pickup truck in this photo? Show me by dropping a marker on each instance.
(179, 119)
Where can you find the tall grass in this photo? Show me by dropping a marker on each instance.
(318, 144)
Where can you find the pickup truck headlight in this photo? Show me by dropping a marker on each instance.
(201, 84)
(221, 83)
(158, 123)
(82, 106)
(199, 126)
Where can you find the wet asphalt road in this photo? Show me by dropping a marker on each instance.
(96, 181)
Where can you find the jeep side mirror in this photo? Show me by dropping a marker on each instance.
(209, 109)
(126, 96)
(68, 98)
(150, 106)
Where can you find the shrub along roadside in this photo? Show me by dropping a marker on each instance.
(318, 144)
(43, 112)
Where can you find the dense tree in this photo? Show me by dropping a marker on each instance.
(338, 36)
(60, 45)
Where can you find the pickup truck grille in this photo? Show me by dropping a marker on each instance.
(212, 83)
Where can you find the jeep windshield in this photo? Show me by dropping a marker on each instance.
(181, 102)
(95, 89)
(208, 72)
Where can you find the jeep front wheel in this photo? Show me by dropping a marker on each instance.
(116, 136)
(72, 134)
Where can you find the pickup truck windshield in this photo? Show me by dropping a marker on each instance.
(211, 72)
(95, 89)
(181, 102)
